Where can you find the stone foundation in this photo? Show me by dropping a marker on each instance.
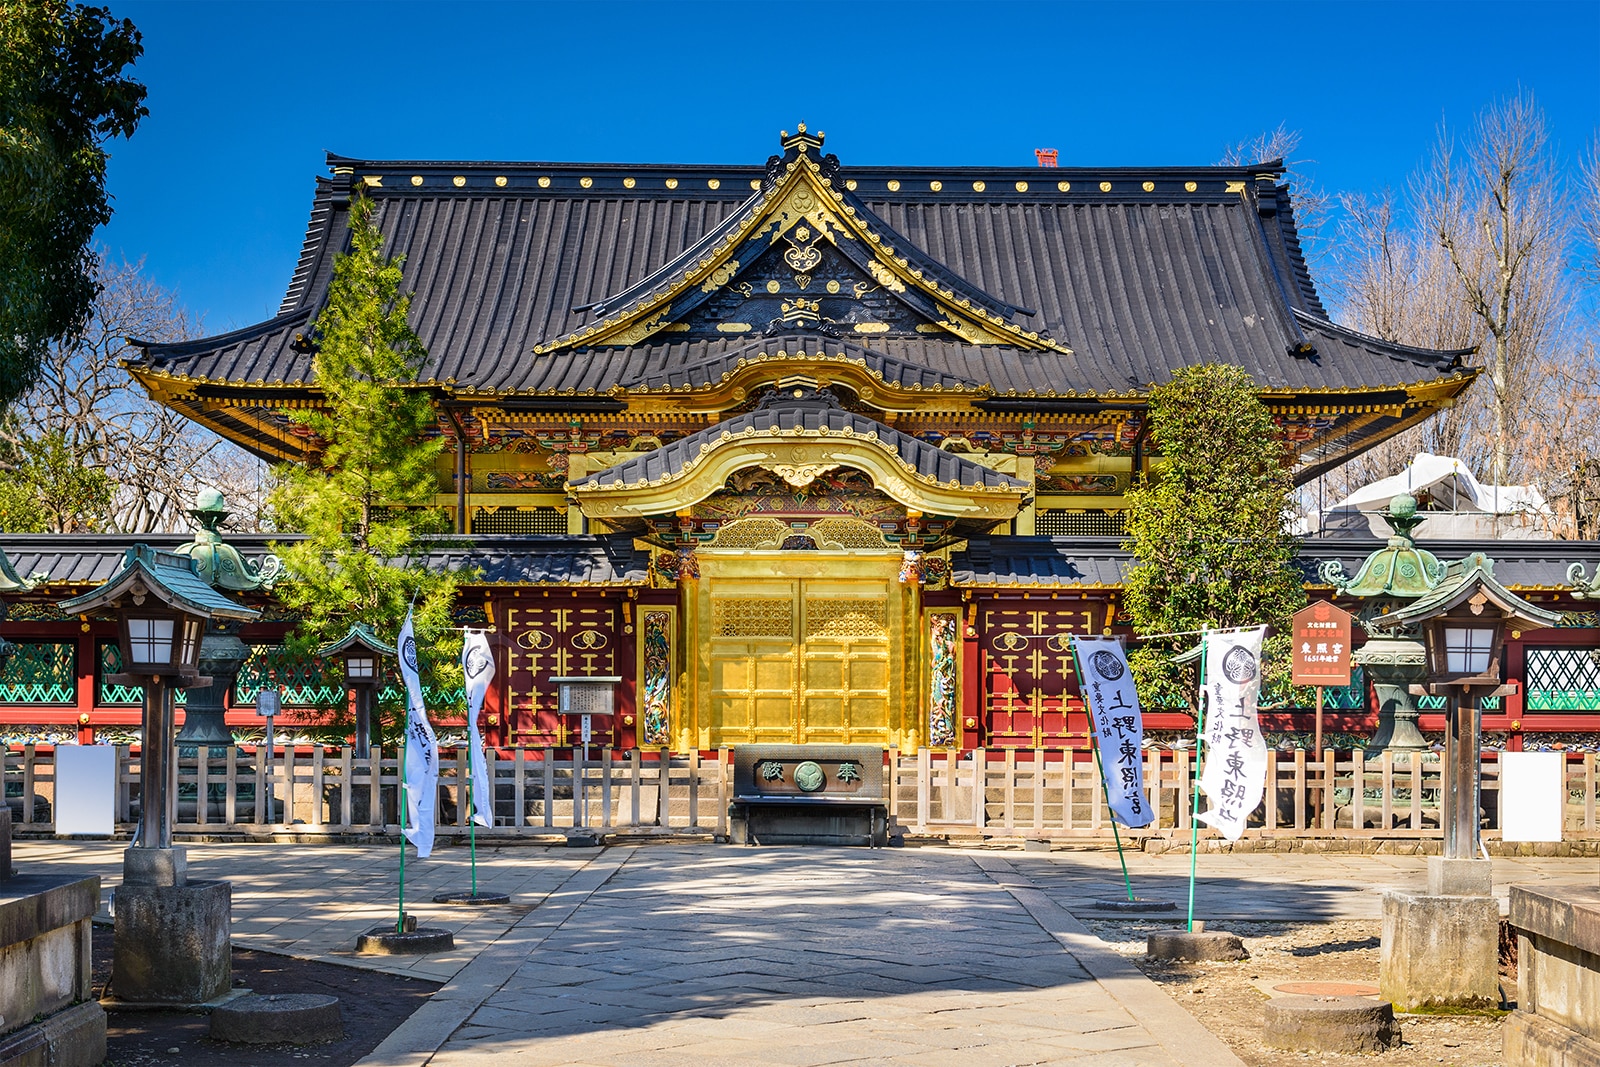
(1557, 1021)
(1439, 951)
(47, 1012)
(172, 943)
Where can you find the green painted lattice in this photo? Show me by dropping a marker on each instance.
(1352, 697)
(305, 684)
(115, 695)
(41, 672)
(1562, 679)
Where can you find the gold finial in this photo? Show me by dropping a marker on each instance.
(800, 128)
(801, 140)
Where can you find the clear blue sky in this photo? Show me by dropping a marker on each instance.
(214, 189)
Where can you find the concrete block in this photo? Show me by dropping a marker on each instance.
(1439, 951)
(1460, 878)
(1529, 1041)
(155, 866)
(71, 1037)
(1329, 1024)
(45, 962)
(171, 943)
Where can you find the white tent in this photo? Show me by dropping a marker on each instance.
(1456, 504)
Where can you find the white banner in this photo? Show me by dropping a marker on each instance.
(1107, 686)
(422, 751)
(477, 670)
(1235, 772)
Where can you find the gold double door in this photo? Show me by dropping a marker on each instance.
(809, 651)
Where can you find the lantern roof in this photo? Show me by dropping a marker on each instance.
(172, 579)
(1399, 569)
(360, 638)
(1469, 581)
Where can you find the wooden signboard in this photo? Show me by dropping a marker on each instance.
(1321, 645)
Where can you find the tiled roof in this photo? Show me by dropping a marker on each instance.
(1163, 269)
(928, 461)
(89, 559)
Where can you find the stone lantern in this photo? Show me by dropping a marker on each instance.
(362, 653)
(1394, 659)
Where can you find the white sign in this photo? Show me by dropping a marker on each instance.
(1235, 771)
(86, 778)
(422, 750)
(1533, 795)
(268, 703)
(1107, 686)
(477, 668)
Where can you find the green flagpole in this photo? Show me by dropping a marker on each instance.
(1194, 805)
(1094, 735)
(400, 921)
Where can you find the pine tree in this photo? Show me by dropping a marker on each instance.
(1206, 527)
(365, 502)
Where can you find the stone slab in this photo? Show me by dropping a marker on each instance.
(1197, 945)
(45, 931)
(171, 943)
(155, 866)
(1569, 914)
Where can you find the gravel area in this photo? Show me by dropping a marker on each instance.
(1227, 997)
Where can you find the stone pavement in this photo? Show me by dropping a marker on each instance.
(710, 955)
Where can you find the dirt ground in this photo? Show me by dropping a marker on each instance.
(1227, 997)
(371, 1003)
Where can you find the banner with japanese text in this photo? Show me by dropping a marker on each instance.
(1113, 703)
(477, 671)
(421, 768)
(1235, 770)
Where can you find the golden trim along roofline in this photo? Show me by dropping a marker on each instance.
(800, 194)
(704, 474)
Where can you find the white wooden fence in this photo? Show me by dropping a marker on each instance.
(1026, 793)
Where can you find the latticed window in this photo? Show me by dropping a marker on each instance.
(1352, 697)
(109, 694)
(41, 672)
(305, 683)
(514, 520)
(1057, 522)
(1562, 679)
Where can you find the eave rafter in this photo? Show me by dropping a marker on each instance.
(802, 192)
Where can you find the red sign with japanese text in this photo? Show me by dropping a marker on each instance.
(1322, 645)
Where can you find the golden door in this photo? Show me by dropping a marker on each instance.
(803, 659)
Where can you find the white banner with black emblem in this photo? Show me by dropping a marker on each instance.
(422, 750)
(477, 671)
(1107, 686)
(1235, 772)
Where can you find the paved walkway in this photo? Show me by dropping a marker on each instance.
(709, 955)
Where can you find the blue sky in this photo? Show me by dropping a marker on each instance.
(214, 189)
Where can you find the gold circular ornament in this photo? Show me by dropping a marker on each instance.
(629, 183)
(1190, 187)
(979, 187)
(809, 777)
(1149, 187)
(672, 183)
(416, 179)
(1105, 187)
(544, 183)
(713, 184)
(1022, 187)
(1065, 187)
(936, 186)
(500, 181)
(586, 182)
(458, 181)
(850, 185)
(772, 286)
(833, 286)
(894, 185)
(755, 185)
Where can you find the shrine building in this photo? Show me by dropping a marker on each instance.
(806, 452)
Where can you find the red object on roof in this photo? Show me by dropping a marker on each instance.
(1046, 156)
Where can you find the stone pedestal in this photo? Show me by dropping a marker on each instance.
(1557, 1021)
(47, 1012)
(172, 944)
(1440, 951)
(221, 655)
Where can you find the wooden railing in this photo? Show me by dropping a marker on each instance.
(1026, 793)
